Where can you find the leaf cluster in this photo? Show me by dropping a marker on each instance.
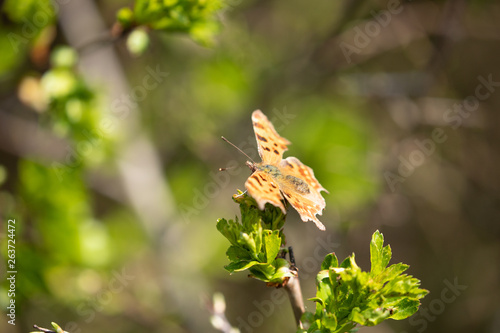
(195, 17)
(347, 296)
(256, 241)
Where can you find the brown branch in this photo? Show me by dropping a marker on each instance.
(295, 294)
(41, 329)
(294, 291)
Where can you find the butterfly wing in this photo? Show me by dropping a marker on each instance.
(263, 189)
(271, 145)
(301, 188)
(307, 200)
(292, 166)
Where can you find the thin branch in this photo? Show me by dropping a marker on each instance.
(45, 330)
(295, 294)
(294, 291)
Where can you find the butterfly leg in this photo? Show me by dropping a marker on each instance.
(293, 267)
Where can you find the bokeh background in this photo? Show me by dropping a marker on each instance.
(109, 159)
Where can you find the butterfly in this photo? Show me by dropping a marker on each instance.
(275, 179)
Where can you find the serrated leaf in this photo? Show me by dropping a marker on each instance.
(379, 255)
(229, 229)
(254, 246)
(392, 272)
(366, 298)
(405, 308)
(370, 317)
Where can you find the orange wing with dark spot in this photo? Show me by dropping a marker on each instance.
(306, 208)
(293, 166)
(309, 203)
(263, 189)
(271, 144)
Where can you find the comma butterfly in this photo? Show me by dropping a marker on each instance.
(275, 178)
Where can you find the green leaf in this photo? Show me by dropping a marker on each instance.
(256, 241)
(235, 253)
(405, 308)
(392, 272)
(272, 241)
(330, 261)
(370, 317)
(282, 271)
(379, 255)
(330, 321)
(263, 272)
(230, 229)
(57, 328)
(347, 296)
(240, 265)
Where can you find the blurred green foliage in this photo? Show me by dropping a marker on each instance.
(197, 18)
(75, 111)
(21, 11)
(78, 224)
(69, 252)
(27, 20)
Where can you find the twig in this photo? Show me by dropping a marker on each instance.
(41, 329)
(294, 292)
(58, 329)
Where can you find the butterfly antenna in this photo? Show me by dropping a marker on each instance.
(241, 151)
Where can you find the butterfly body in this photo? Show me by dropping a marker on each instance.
(275, 178)
(284, 181)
